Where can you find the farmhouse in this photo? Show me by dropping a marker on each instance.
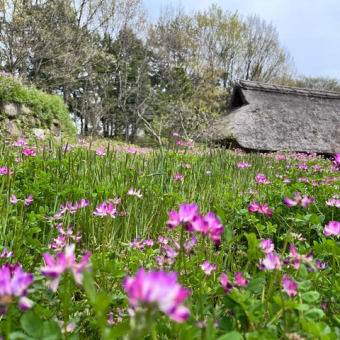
(271, 117)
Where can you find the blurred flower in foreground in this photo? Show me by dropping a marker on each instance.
(13, 284)
(65, 261)
(332, 228)
(158, 288)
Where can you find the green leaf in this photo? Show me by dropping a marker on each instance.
(231, 336)
(311, 296)
(252, 246)
(51, 331)
(19, 336)
(31, 324)
(314, 314)
(118, 330)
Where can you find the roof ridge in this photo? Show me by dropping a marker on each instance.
(259, 86)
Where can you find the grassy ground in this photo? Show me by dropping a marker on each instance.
(264, 308)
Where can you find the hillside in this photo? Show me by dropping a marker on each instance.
(26, 111)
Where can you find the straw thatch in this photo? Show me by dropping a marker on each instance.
(271, 118)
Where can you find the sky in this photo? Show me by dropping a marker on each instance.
(308, 29)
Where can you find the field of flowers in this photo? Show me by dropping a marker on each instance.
(186, 243)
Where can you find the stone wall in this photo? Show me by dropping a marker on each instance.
(17, 119)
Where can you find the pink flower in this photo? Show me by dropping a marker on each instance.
(175, 134)
(332, 202)
(263, 209)
(13, 284)
(214, 226)
(105, 209)
(320, 265)
(267, 245)
(6, 254)
(260, 208)
(280, 157)
(289, 286)
(65, 261)
(224, 282)
(208, 268)
(185, 214)
(270, 262)
(261, 178)
(100, 152)
(14, 200)
(208, 172)
(5, 171)
(240, 281)
(243, 165)
(332, 228)
(28, 200)
(253, 207)
(158, 288)
(21, 142)
(29, 152)
(304, 201)
(132, 192)
(178, 177)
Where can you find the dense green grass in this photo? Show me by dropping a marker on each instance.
(259, 311)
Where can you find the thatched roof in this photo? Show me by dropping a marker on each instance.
(271, 117)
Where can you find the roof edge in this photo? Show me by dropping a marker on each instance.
(264, 87)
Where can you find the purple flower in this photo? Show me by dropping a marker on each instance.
(4, 171)
(21, 142)
(304, 201)
(132, 192)
(243, 165)
(215, 227)
(65, 261)
(6, 254)
(261, 178)
(14, 283)
(260, 208)
(185, 214)
(289, 286)
(208, 268)
(267, 245)
(332, 202)
(158, 288)
(270, 262)
(14, 200)
(332, 228)
(178, 177)
(28, 200)
(224, 282)
(100, 152)
(321, 265)
(105, 209)
(240, 281)
(289, 202)
(29, 152)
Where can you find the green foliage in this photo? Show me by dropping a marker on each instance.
(261, 309)
(43, 106)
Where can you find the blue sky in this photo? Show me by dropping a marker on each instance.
(308, 29)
